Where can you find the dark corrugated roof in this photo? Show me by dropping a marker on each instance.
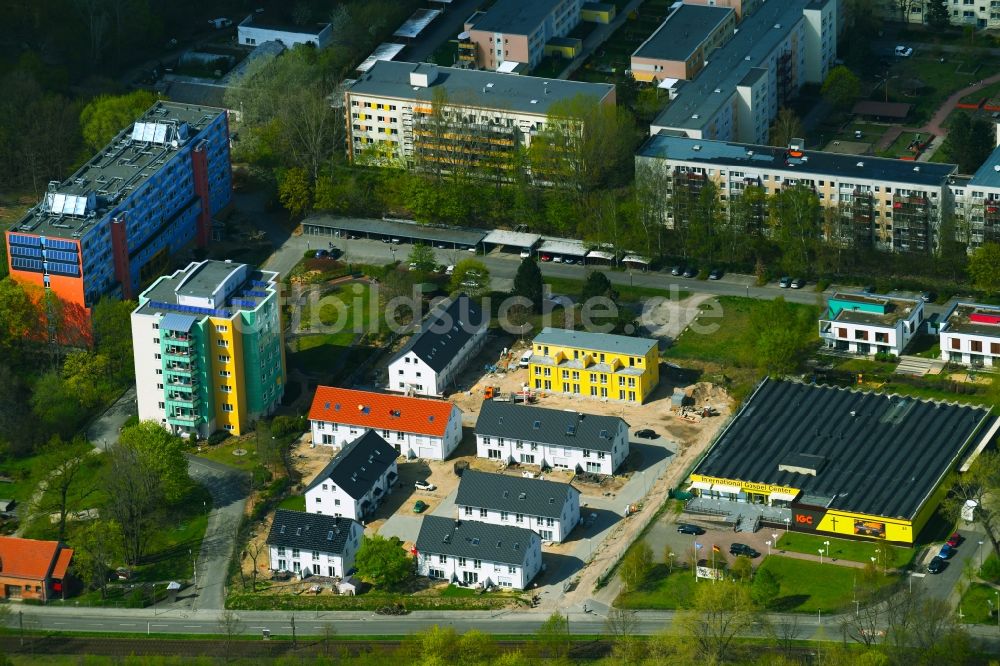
(357, 466)
(310, 531)
(884, 454)
(548, 426)
(500, 492)
(468, 538)
(445, 330)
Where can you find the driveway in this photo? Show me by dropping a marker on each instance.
(405, 528)
(103, 432)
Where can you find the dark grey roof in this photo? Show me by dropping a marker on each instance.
(475, 88)
(883, 454)
(813, 164)
(958, 320)
(310, 531)
(988, 175)
(683, 32)
(548, 426)
(515, 17)
(357, 466)
(468, 538)
(500, 492)
(444, 331)
(601, 342)
(397, 229)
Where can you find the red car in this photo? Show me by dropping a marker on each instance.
(954, 540)
(546, 257)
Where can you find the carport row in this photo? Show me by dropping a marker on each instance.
(546, 248)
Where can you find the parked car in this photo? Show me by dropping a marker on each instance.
(715, 274)
(946, 552)
(798, 283)
(646, 433)
(936, 565)
(321, 253)
(928, 297)
(557, 259)
(690, 272)
(420, 506)
(743, 549)
(220, 23)
(525, 359)
(904, 51)
(335, 252)
(868, 289)
(785, 282)
(525, 254)
(449, 270)
(955, 539)
(413, 266)
(546, 257)
(688, 528)
(677, 270)
(570, 260)
(424, 485)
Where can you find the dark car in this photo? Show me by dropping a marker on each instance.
(946, 552)
(646, 433)
(743, 549)
(928, 297)
(677, 270)
(936, 565)
(868, 289)
(690, 272)
(798, 283)
(716, 274)
(688, 528)
(336, 253)
(321, 253)
(785, 282)
(955, 539)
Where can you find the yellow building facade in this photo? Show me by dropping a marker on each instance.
(594, 365)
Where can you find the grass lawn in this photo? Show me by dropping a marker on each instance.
(19, 478)
(223, 453)
(843, 549)
(939, 79)
(170, 550)
(293, 503)
(348, 308)
(870, 132)
(975, 605)
(986, 92)
(899, 147)
(87, 494)
(627, 294)
(662, 591)
(320, 350)
(807, 587)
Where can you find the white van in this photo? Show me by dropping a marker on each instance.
(525, 359)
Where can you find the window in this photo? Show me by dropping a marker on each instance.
(519, 517)
(443, 559)
(511, 569)
(227, 407)
(295, 552)
(223, 358)
(477, 564)
(976, 345)
(461, 561)
(504, 515)
(222, 343)
(225, 388)
(956, 343)
(483, 513)
(325, 486)
(319, 500)
(281, 550)
(468, 510)
(225, 373)
(221, 328)
(315, 557)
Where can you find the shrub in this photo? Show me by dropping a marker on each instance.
(283, 426)
(218, 437)
(822, 284)
(309, 254)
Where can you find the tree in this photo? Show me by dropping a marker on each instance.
(636, 565)
(596, 285)
(97, 548)
(422, 258)
(719, 613)
(781, 335)
(794, 218)
(936, 14)
(111, 319)
(552, 638)
(434, 646)
(383, 562)
(622, 625)
(970, 141)
(295, 191)
(528, 283)
(105, 116)
(742, 568)
(18, 315)
(472, 277)
(984, 268)
(787, 126)
(55, 405)
(67, 483)
(980, 484)
(476, 647)
(765, 588)
(841, 87)
(86, 376)
(230, 626)
(135, 499)
(163, 453)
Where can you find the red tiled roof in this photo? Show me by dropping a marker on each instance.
(381, 411)
(62, 564)
(28, 558)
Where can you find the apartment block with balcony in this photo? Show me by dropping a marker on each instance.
(681, 46)
(208, 348)
(117, 223)
(595, 365)
(977, 201)
(430, 117)
(975, 13)
(885, 204)
(869, 324)
(517, 31)
(970, 335)
(774, 51)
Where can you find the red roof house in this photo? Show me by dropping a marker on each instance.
(32, 569)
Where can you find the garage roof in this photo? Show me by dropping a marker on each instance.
(511, 238)
(564, 246)
(398, 229)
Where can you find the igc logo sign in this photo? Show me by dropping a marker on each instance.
(803, 519)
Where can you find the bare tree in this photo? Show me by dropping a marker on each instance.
(622, 626)
(230, 626)
(720, 613)
(863, 626)
(980, 484)
(253, 551)
(135, 497)
(67, 483)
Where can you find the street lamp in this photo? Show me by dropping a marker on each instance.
(997, 593)
(980, 551)
(821, 551)
(787, 522)
(768, 547)
(671, 556)
(827, 544)
(774, 539)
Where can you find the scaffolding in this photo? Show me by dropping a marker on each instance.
(911, 224)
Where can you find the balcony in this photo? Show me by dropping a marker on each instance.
(174, 337)
(184, 418)
(184, 398)
(181, 368)
(177, 351)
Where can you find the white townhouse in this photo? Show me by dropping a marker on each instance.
(415, 427)
(256, 29)
(451, 334)
(555, 438)
(313, 545)
(356, 481)
(868, 324)
(473, 553)
(549, 508)
(970, 335)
